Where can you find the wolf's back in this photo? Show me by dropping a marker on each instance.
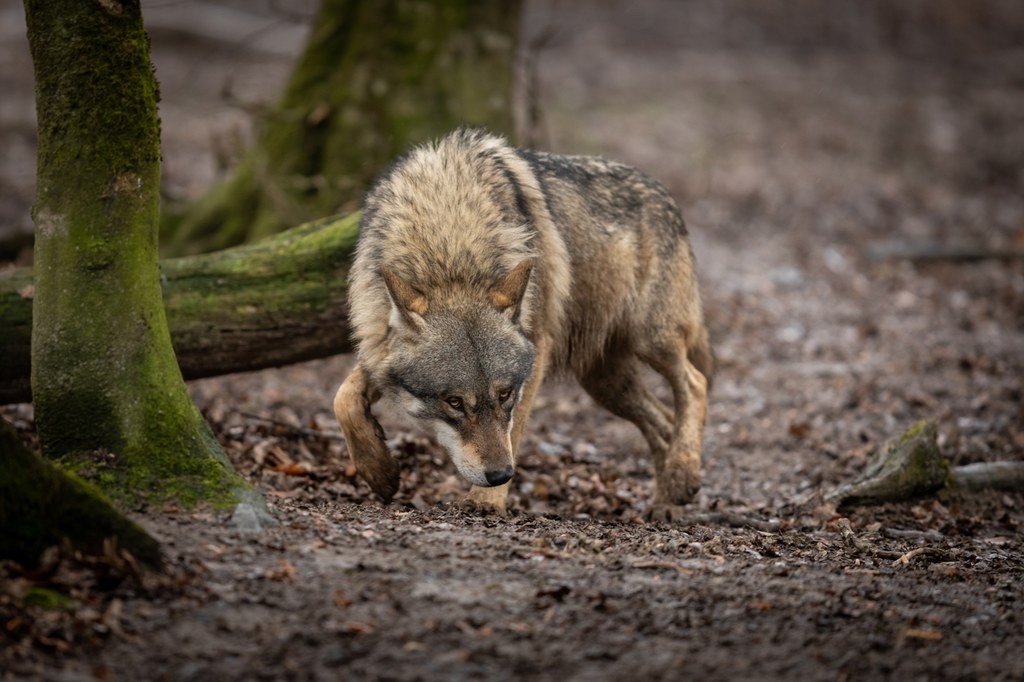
(451, 218)
(608, 243)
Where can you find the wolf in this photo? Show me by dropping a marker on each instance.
(481, 268)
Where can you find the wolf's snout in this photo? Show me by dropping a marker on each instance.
(499, 476)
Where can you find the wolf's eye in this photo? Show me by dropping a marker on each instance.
(504, 395)
(454, 402)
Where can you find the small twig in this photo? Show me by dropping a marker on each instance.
(902, 534)
(920, 551)
(654, 563)
(291, 427)
(736, 520)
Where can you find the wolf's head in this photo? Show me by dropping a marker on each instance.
(458, 363)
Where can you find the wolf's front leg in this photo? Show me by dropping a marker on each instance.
(492, 498)
(363, 435)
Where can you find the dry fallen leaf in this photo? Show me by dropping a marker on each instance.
(340, 600)
(284, 573)
(357, 628)
(292, 469)
(922, 634)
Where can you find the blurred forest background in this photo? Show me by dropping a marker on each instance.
(222, 65)
(852, 174)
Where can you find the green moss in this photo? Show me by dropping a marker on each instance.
(104, 374)
(47, 599)
(914, 431)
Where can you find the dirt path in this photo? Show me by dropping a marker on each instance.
(795, 151)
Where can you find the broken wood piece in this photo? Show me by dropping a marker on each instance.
(905, 467)
(734, 519)
(911, 465)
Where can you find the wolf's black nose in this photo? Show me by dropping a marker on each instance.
(499, 476)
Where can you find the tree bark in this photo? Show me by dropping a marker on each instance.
(110, 402)
(41, 506)
(273, 303)
(375, 77)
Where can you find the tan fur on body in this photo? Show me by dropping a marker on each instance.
(481, 268)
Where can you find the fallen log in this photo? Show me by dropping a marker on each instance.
(911, 465)
(272, 303)
(933, 252)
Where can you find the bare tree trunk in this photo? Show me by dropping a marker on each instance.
(376, 76)
(110, 402)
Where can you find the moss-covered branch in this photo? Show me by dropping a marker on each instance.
(267, 304)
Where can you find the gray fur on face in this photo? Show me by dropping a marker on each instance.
(493, 354)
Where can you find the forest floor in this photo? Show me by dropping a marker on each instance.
(800, 163)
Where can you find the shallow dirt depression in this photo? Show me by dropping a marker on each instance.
(809, 146)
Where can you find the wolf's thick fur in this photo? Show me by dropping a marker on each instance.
(481, 268)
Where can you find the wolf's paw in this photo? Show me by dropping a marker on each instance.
(664, 513)
(381, 474)
(677, 484)
(486, 500)
(479, 507)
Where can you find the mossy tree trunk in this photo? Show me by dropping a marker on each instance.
(278, 301)
(376, 76)
(110, 401)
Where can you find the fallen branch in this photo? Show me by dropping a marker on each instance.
(988, 475)
(734, 519)
(272, 303)
(292, 428)
(931, 252)
(659, 564)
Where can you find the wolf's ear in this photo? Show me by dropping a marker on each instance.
(507, 293)
(405, 299)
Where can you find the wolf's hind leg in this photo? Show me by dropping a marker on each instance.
(363, 435)
(616, 383)
(678, 479)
